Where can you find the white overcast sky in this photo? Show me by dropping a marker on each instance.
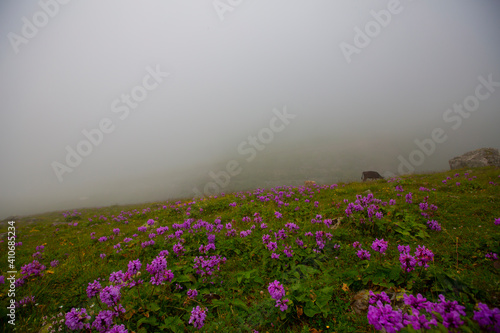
(225, 78)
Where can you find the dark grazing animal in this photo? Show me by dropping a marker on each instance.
(371, 175)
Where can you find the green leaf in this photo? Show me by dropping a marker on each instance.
(216, 303)
(183, 278)
(258, 279)
(324, 295)
(395, 272)
(311, 309)
(153, 307)
(173, 323)
(240, 304)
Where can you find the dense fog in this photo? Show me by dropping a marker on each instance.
(121, 101)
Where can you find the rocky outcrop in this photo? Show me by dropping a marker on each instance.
(476, 158)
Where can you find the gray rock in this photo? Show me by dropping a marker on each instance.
(477, 158)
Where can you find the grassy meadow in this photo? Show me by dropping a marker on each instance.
(210, 264)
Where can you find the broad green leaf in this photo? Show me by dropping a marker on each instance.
(311, 309)
(240, 304)
(153, 307)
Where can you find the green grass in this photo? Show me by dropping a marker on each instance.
(320, 286)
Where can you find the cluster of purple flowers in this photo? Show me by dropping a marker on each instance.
(245, 233)
(422, 316)
(75, 319)
(161, 230)
(158, 271)
(488, 319)
(103, 320)
(292, 227)
(71, 214)
(370, 203)
(205, 248)
(299, 242)
(491, 256)
(434, 225)
(408, 262)
(198, 316)
(32, 269)
(272, 246)
(379, 245)
(363, 254)
(192, 293)
(25, 301)
(93, 288)
(178, 249)
(277, 292)
(208, 265)
(110, 295)
(147, 243)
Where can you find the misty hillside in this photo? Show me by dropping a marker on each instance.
(280, 259)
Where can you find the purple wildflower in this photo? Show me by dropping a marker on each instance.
(379, 245)
(487, 318)
(197, 317)
(103, 320)
(118, 329)
(434, 225)
(363, 254)
(110, 295)
(383, 316)
(93, 288)
(276, 290)
(134, 266)
(192, 293)
(75, 318)
(417, 303)
(272, 246)
(423, 256)
(374, 298)
(407, 261)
